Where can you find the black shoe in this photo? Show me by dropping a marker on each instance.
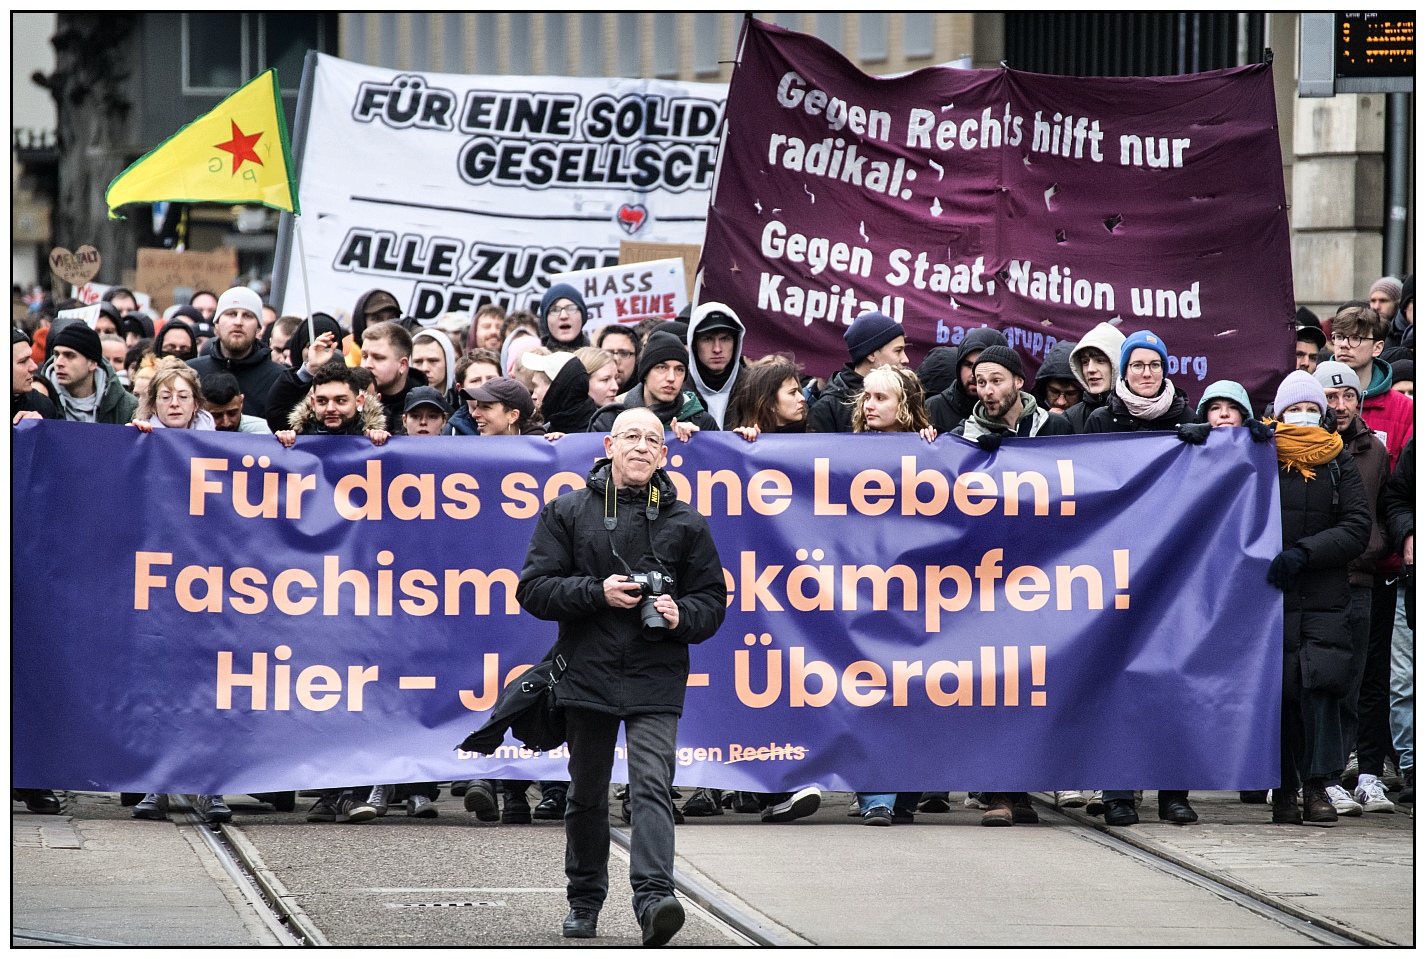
(1023, 812)
(323, 810)
(516, 812)
(581, 924)
(661, 921)
(745, 802)
(480, 799)
(42, 802)
(1317, 808)
(1285, 808)
(1253, 797)
(152, 806)
(350, 809)
(935, 802)
(704, 802)
(214, 810)
(1174, 808)
(903, 816)
(1408, 789)
(458, 786)
(551, 807)
(625, 813)
(878, 816)
(1120, 812)
(799, 805)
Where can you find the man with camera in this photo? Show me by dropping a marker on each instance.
(633, 578)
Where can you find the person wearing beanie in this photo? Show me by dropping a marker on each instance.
(1094, 363)
(663, 371)
(236, 349)
(26, 402)
(1403, 377)
(1143, 397)
(1326, 524)
(87, 386)
(678, 328)
(1056, 389)
(134, 327)
(1383, 296)
(562, 318)
(938, 370)
(715, 345)
(1342, 391)
(1225, 403)
(874, 339)
(1003, 408)
(950, 407)
(1403, 327)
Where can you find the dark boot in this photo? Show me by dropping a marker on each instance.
(552, 805)
(1317, 808)
(704, 802)
(1253, 797)
(1174, 807)
(1285, 809)
(1024, 812)
(1120, 812)
(999, 809)
(1408, 791)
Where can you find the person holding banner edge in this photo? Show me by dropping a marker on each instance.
(629, 599)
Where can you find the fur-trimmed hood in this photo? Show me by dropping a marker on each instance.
(371, 417)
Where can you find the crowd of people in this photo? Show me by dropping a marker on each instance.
(1342, 424)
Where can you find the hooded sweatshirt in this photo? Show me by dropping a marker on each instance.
(1106, 338)
(952, 406)
(1055, 367)
(109, 403)
(715, 388)
(567, 407)
(440, 338)
(1034, 420)
(1387, 411)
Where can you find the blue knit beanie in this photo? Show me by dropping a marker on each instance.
(869, 333)
(562, 291)
(1142, 340)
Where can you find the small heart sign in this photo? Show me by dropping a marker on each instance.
(632, 216)
(77, 268)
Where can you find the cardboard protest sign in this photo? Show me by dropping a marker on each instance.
(635, 251)
(629, 293)
(160, 272)
(76, 268)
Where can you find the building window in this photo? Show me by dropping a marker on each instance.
(556, 44)
(591, 44)
(521, 45)
(421, 41)
(284, 40)
(487, 44)
(871, 44)
(630, 45)
(707, 42)
(386, 40)
(831, 29)
(453, 42)
(920, 34)
(666, 45)
(212, 62)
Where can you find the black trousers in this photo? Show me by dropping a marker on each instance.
(1374, 700)
(1360, 621)
(652, 740)
(1311, 745)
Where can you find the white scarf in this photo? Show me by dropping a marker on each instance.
(1146, 407)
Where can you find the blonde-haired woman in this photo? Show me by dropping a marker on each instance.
(891, 401)
(172, 399)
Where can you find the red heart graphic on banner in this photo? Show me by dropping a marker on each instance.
(631, 217)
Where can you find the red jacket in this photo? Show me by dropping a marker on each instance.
(1391, 413)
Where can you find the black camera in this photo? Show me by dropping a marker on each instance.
(652, 585)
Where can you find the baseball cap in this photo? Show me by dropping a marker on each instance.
(426, 395)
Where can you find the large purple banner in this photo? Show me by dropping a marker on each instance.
(1039, 205)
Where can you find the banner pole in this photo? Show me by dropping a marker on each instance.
(306, 286)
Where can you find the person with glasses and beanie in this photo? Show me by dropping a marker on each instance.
(633, 578)
(562, 318)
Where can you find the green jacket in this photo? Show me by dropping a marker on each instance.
(116, 406)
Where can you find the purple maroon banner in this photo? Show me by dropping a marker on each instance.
(1039, 205)
(213, 613)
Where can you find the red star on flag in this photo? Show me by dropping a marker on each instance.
(241, 147)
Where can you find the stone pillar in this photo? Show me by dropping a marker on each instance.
(1337, 198)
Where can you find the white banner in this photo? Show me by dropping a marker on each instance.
(630, 293)
(451, 191)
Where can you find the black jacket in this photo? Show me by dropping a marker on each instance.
(612, 668)
(395, 404)
(832, 413)
(1317, 641)
(950, 408)
(1078, 415)
(1114, 417)
(1398, 500)
(687, 408)
(256, 373)
(36, 402)
(567, 407)
(1374, 467)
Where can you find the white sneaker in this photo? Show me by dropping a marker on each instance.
(972, 802)
(380, 798)
(1372, 794)
(1069, 798)
(1096, 803)
(1343, 802)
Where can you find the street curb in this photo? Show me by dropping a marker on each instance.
(1154, 848)
(282, 901)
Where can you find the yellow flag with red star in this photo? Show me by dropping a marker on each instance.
(237, 153)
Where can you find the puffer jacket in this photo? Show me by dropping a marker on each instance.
(371, 416)
(611, 667)
(1114, 417)
(832, 412)
(1370, 457)
(1329, 518)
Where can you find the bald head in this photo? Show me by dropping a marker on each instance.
(635, 447)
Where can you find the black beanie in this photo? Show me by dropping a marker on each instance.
(298, 341)
(18, 335)
(1001, 356)
(938, 369)
(81, 339)
(661, 348)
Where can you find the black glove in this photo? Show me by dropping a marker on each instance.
(1259, 431)
(1286, 567)
(990, 442)
(1195, 433)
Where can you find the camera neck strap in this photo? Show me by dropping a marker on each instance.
(611, 521)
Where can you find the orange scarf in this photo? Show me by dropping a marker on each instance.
(1303, 447)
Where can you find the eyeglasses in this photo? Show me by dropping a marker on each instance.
(1352, 341)
(167, 397)
(636, 437)
(1154, 367)
(564, 310)
(621, 354)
